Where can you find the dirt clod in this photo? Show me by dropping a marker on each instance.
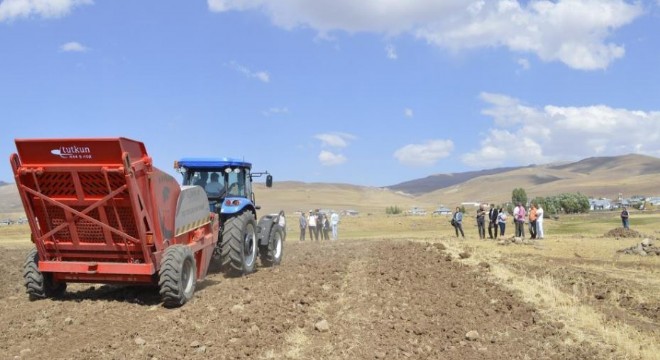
(622, 233)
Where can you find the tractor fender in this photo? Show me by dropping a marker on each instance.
(264, 227)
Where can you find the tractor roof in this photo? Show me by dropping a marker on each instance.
(212, 163)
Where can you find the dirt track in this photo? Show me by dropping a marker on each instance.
(380, 299)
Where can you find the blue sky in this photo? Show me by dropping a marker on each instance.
(373, 92)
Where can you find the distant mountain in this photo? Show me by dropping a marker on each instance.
(3, 183)
(440, 181)
(597, 177)
(639, 164)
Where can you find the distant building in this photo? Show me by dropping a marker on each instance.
(442, 211)
(471, 203)
(600, 204)
(654, 200)
(350, 213)
(417, 211)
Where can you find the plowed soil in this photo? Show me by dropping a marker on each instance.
(379, 299)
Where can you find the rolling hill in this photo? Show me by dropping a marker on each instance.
(596, 177)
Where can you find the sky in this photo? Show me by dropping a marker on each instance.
(371, 92)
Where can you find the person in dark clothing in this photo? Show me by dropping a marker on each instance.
(303, 226)
(326, 227)
(624, 218)
(492, 221)
(457, 222)
(481, 222)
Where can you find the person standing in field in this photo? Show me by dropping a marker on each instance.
(303, 226)
(334, 222)
(519, 218)
(625, 218)
(539, 222)
(492, 221)
(311, 225)
(501, 221)
(532, 222)
(326, 227)
(281, 221)
(457, 222)
(319, 224)
(481, 222)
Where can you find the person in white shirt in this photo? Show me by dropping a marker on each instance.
(311, 224)
(334, 222)
(282, 222)
(539, 222)
(501, 221)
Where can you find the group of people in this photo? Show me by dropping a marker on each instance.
(497, 218)
(319, 225)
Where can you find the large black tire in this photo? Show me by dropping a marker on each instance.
(38, 284)
(177, 276)
(271, 254)
(238, 248)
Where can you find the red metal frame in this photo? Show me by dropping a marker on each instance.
(99, 211)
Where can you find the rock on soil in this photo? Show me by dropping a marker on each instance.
(322, 326)
(645, 248)
(516, 241)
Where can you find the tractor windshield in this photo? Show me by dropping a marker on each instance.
(221, 182)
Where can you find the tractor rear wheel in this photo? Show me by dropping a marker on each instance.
(38, 284)
(177, 276)
(271, 254)
(239, 244)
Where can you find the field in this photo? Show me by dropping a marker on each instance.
(392, 287)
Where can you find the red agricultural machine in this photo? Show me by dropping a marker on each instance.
(100, 212)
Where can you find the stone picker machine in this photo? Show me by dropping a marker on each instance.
(100, 212)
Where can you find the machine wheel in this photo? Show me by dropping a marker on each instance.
(38, 284)
(239, 244)
(271, 254)
(177, 275)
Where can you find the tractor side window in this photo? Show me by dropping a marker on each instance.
(236, 181)
(248, 184)
(200, 178)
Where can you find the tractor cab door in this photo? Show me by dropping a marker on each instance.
(238, 182)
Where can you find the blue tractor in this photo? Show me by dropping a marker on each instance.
(228, 186)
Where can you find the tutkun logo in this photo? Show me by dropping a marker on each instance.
(73, 152)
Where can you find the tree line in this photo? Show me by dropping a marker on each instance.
(566, 203)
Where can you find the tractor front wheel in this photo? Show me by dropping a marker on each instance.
(271, 254)
(239, 244)
(177, 275)
(38, 284)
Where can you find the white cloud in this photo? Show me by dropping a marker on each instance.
(408, 112)
(390, 50)
(73, 46)
(328, 158)
(426, 154)
(12, 9)
(262, 76)
(336, 140)
(275, 111)
(523, 134)
(574, 32)
(524, 63)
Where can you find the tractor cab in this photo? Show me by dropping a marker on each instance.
(227, 182)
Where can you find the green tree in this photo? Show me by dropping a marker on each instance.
(519, 196)
(393, 210)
